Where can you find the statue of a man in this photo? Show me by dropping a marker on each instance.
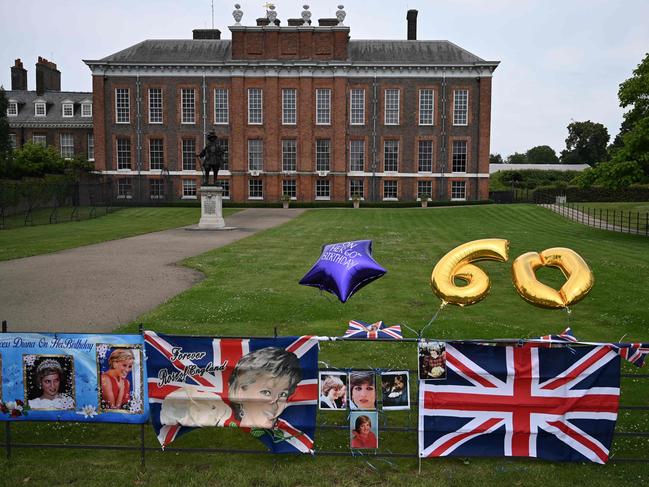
(212, 155)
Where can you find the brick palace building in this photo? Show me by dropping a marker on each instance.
(302, 110)
(49, 116)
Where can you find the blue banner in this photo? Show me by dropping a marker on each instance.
(72, 377)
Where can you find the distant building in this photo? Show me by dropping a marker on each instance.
(48, 115)
(302, 110)
(542, 167)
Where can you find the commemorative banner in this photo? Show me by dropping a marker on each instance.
(72, 377)
(267, 386)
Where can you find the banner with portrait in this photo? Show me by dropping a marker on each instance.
(266, 386)
(72, 377)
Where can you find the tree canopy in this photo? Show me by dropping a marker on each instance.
(517, 158)
(542, 154)
(586, 143)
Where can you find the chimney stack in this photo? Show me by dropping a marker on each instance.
(18, 76)
(206, 34)
(48, 78)
(411, 17)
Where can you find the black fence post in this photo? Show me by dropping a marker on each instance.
(142, 446)
(7, 423)
(646, 225)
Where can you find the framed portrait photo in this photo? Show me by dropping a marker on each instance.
(432, 360)
(120, 378)
(49, 382)
(364, 430)
(362, 390)
(395, 390)
(332, 387)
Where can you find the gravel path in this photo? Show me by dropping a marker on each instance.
(99, 287)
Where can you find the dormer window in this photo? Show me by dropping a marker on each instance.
(12, 109)
(86, 109)
(39, 109)
(68, 109)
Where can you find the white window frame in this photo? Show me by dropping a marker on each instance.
(13, 140)
(323, 157)
(392, 106)
(255, 106)
(428, 190)
(67, 150)
(40, 106)
(455, 189)
(69, 107)
(432, 155)
(292, 154)
(253, 163)
(396, 163)
(461, 107)
(161, 152)
(12, 109)
(291, 185)
(221, 106)
(357, 106)
(156, 106)
(289, 106)
(426, 107)
(159, 194)
(91, 147)
(454, 144)
(355, 144)
(396, 190)
(122, 105)
(124, 182)
(323, 106)
(86, 110)
(188, 156)
(256, 182)
(188, 106)
(39, 139)
(355, 182)
(225, 184)
(322, 183)
(189, 189)
(119, 151)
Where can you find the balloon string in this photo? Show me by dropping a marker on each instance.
(441, 306)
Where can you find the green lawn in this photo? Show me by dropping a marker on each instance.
(251, 287)
(43, 239)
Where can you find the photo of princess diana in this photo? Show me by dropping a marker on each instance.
(120, 378)
(395, 390)
(432, 360)
(364, 430)
(49, 381)
(362, 390)
(333, 390)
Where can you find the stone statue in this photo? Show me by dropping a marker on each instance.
(213, 159)
(237, 14)
(340, 14)
(306, 15)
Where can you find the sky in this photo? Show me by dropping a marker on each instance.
(561, 61)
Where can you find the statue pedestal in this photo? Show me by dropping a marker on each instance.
(211, 208)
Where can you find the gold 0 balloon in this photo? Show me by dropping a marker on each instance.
(579, 277)
(457, 265)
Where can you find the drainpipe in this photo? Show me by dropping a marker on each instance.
(374, 182)
(138, 103)
(442, 189)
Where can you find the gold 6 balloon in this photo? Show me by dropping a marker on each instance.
(458, 264)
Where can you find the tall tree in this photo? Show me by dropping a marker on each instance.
(517, 158)
(586, 143)
(542, 154)
(495, 159)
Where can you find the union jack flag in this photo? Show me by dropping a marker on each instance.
(360, 329)
(565, 336)
(525, 401)
(293, 432)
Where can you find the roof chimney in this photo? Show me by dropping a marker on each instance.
(411, 17)
(206, 34)
(18, 76)
(48, 78)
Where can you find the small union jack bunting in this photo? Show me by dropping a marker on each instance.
(373, 331)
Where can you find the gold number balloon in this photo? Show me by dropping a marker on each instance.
(579, 277)
(457, 265)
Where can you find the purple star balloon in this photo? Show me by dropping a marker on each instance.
(343, 268)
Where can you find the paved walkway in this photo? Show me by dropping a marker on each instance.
(591, 220)
(99, 287)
